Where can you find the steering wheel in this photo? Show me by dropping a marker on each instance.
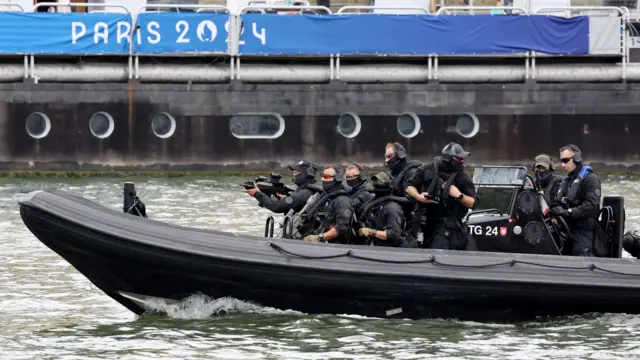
(561, 228)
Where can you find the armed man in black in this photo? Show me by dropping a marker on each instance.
(546, 181)
(360, 190)
(401, 169)
(361, 193)
(386, 223)
(447, 193)
(578, 202)
(337, 224)
(304, 173)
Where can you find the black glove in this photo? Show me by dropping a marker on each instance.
(558, 211)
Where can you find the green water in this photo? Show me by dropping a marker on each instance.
(50, 311)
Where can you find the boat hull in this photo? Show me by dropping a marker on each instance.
(124, 253)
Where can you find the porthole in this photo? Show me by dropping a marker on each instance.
(349, 125)
(163, 125)
(467, 125)
(257, 125)
(38, 125)
(101, 125)
(408, 125)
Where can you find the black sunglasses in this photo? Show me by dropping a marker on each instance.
(566, 160)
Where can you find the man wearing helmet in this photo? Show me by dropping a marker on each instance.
(446, 193)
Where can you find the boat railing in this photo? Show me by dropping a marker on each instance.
(269, 226)
(223, 24)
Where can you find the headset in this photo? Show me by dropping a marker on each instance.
(339, 173)
(577, 154)
(401, 152)
(362, 176)
(311, 170)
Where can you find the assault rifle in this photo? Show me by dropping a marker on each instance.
(270, 186)
(291, 223)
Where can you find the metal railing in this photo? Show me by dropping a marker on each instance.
(472, 8)
(234, 30)
(623, 11)
(10, 5)
(58, 5)
(343, 9)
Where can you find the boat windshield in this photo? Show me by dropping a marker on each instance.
(495, 198)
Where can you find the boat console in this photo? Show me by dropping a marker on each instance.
(512, 216)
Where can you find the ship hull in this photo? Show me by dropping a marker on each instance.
(509, 123)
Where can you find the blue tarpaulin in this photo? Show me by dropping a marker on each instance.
(273, 34)
(413, 34)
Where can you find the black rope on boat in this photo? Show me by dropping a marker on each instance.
(588, 267)
(596, 267)
(510, 263)
(432, 259)
(280, 249)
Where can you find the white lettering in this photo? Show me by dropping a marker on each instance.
(262, 35)
(475, 229)
(124, 30)
(78, 29)
(138, 36)
(492, 231)
(153, 28)
(226, 27)
(185, 27)
(101, 30)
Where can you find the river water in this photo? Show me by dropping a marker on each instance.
(50, 311)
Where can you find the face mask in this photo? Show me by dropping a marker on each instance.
(300, 178)
(450, 166)
(391, 162)
(329, 185)
(353, 182)
(542, 175)
(456, 165)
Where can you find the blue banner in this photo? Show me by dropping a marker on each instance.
(64, 33)
(169, 32)
(272, 34)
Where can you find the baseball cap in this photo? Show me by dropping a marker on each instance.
(381, 178)
(303, 165)
(455, 149)
(544, 161)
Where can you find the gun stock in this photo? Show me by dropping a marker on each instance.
(297, 219)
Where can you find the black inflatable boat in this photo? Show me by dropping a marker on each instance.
(132, 258)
